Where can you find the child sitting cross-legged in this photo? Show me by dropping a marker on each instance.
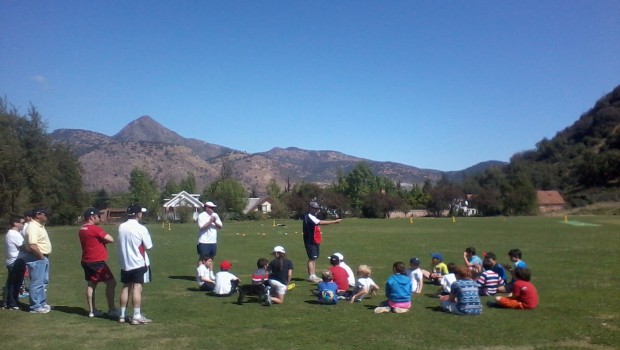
(327, 290)
(397, 291)
(225, 282)
(365, 285)
(524, 295)
(259, 286)
(489, 280)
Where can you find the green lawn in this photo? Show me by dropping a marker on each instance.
(573, 269)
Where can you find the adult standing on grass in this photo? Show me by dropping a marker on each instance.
(133, 242)
(312, 238)
(14, 242)
(93, 240)
(37, 260)
(208, 224)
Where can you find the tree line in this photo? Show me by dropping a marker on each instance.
(582, 161)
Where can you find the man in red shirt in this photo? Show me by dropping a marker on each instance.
(94, 255)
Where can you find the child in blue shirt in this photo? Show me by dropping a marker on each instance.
(397, 291)
(327, 289)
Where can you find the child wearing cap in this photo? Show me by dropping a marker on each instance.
(365, 285)
(327, 289)
(225, 282)
(280, 273)
(340, 275)
(347, 268)
(415, 273)
(438, 269)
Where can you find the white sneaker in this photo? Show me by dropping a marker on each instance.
(140, 320)
(400, 310)
(95, 313)
(267, 296)
(42, 310)
(314, 279)
(382, 309)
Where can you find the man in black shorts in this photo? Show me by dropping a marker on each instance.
(312, 238)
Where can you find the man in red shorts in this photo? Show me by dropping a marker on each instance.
(94, 255)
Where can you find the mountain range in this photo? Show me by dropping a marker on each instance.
(107, 161)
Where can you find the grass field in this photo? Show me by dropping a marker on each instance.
(573, 264)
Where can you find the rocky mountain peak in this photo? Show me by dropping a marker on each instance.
(146, 128)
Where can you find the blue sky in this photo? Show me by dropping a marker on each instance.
(433, 84)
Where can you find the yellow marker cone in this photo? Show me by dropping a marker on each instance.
(411, 220)
(565, 218)
(453, 219)
(274, 223)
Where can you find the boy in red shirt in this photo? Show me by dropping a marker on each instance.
(524, 295)
(340, 276)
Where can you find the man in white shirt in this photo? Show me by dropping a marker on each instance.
(208, 224)
(133, 242)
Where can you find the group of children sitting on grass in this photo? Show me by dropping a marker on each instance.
(459, 286)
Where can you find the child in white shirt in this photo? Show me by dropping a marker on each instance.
(365, 285)
(225, 282)
(417, 277)
(204, 274)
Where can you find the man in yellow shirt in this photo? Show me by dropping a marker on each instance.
(39, 247)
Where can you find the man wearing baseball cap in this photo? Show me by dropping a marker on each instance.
(93, 240)
(39, 248)
(312, 238)
(133, 241)
(208, 224)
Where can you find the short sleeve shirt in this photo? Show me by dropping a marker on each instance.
(37, 235)
(93, 243)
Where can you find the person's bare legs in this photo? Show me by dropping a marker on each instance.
(311, 268)
(124, 300)
(90, 296)
(110, 286)
(136, 295)
(278, 300)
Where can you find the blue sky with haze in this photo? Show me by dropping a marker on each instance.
(432, 84)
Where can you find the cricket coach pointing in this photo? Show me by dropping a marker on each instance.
(313, 238)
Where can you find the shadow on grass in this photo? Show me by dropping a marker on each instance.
(71, 310)
(297, 279)
(185, 278)
(75, 311)
(435, 308)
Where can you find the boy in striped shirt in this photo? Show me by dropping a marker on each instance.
(489, 280)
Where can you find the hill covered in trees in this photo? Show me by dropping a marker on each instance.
(582, 162)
